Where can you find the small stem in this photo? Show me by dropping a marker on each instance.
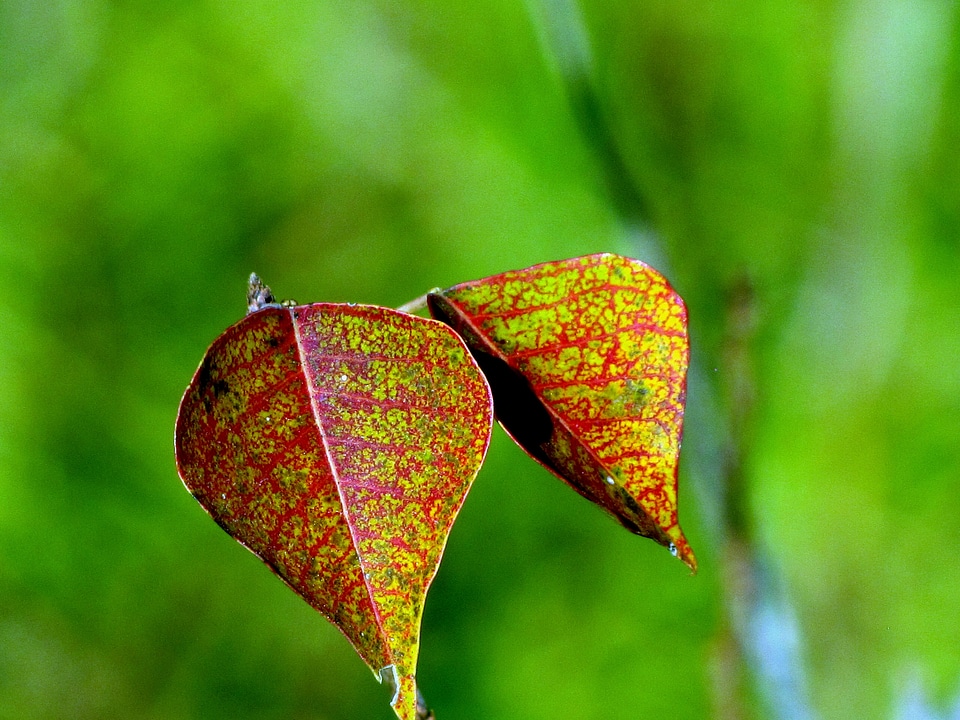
(417, 304)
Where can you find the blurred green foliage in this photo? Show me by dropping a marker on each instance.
(802, 157)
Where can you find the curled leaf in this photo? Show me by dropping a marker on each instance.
(587, 359)
(338, 444)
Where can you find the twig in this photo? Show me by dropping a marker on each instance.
(417, 304)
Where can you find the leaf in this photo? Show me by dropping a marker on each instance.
(587, 359)
(338, 444)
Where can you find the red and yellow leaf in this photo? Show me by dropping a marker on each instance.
(587, 359)
(338, 444)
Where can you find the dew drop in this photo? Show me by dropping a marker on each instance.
(351, 304)
(673, 549)
(343, 378)
(223, 496)
(609, 480)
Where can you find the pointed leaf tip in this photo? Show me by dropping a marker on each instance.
(338, 444)
(587, 359)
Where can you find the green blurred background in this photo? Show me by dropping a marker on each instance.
(794, 168)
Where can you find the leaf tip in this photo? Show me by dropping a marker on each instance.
(681, 549)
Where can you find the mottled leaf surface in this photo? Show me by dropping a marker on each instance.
(338, 443)
(588, 360)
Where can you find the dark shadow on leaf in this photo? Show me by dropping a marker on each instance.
(516, 406)
(515, 403)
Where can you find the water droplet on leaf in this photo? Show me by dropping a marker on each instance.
(673, 549)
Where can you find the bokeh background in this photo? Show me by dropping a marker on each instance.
(793, 167)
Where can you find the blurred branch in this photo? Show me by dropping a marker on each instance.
(739, 388)
(737, 571)
(565, 40)
(759, 624)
